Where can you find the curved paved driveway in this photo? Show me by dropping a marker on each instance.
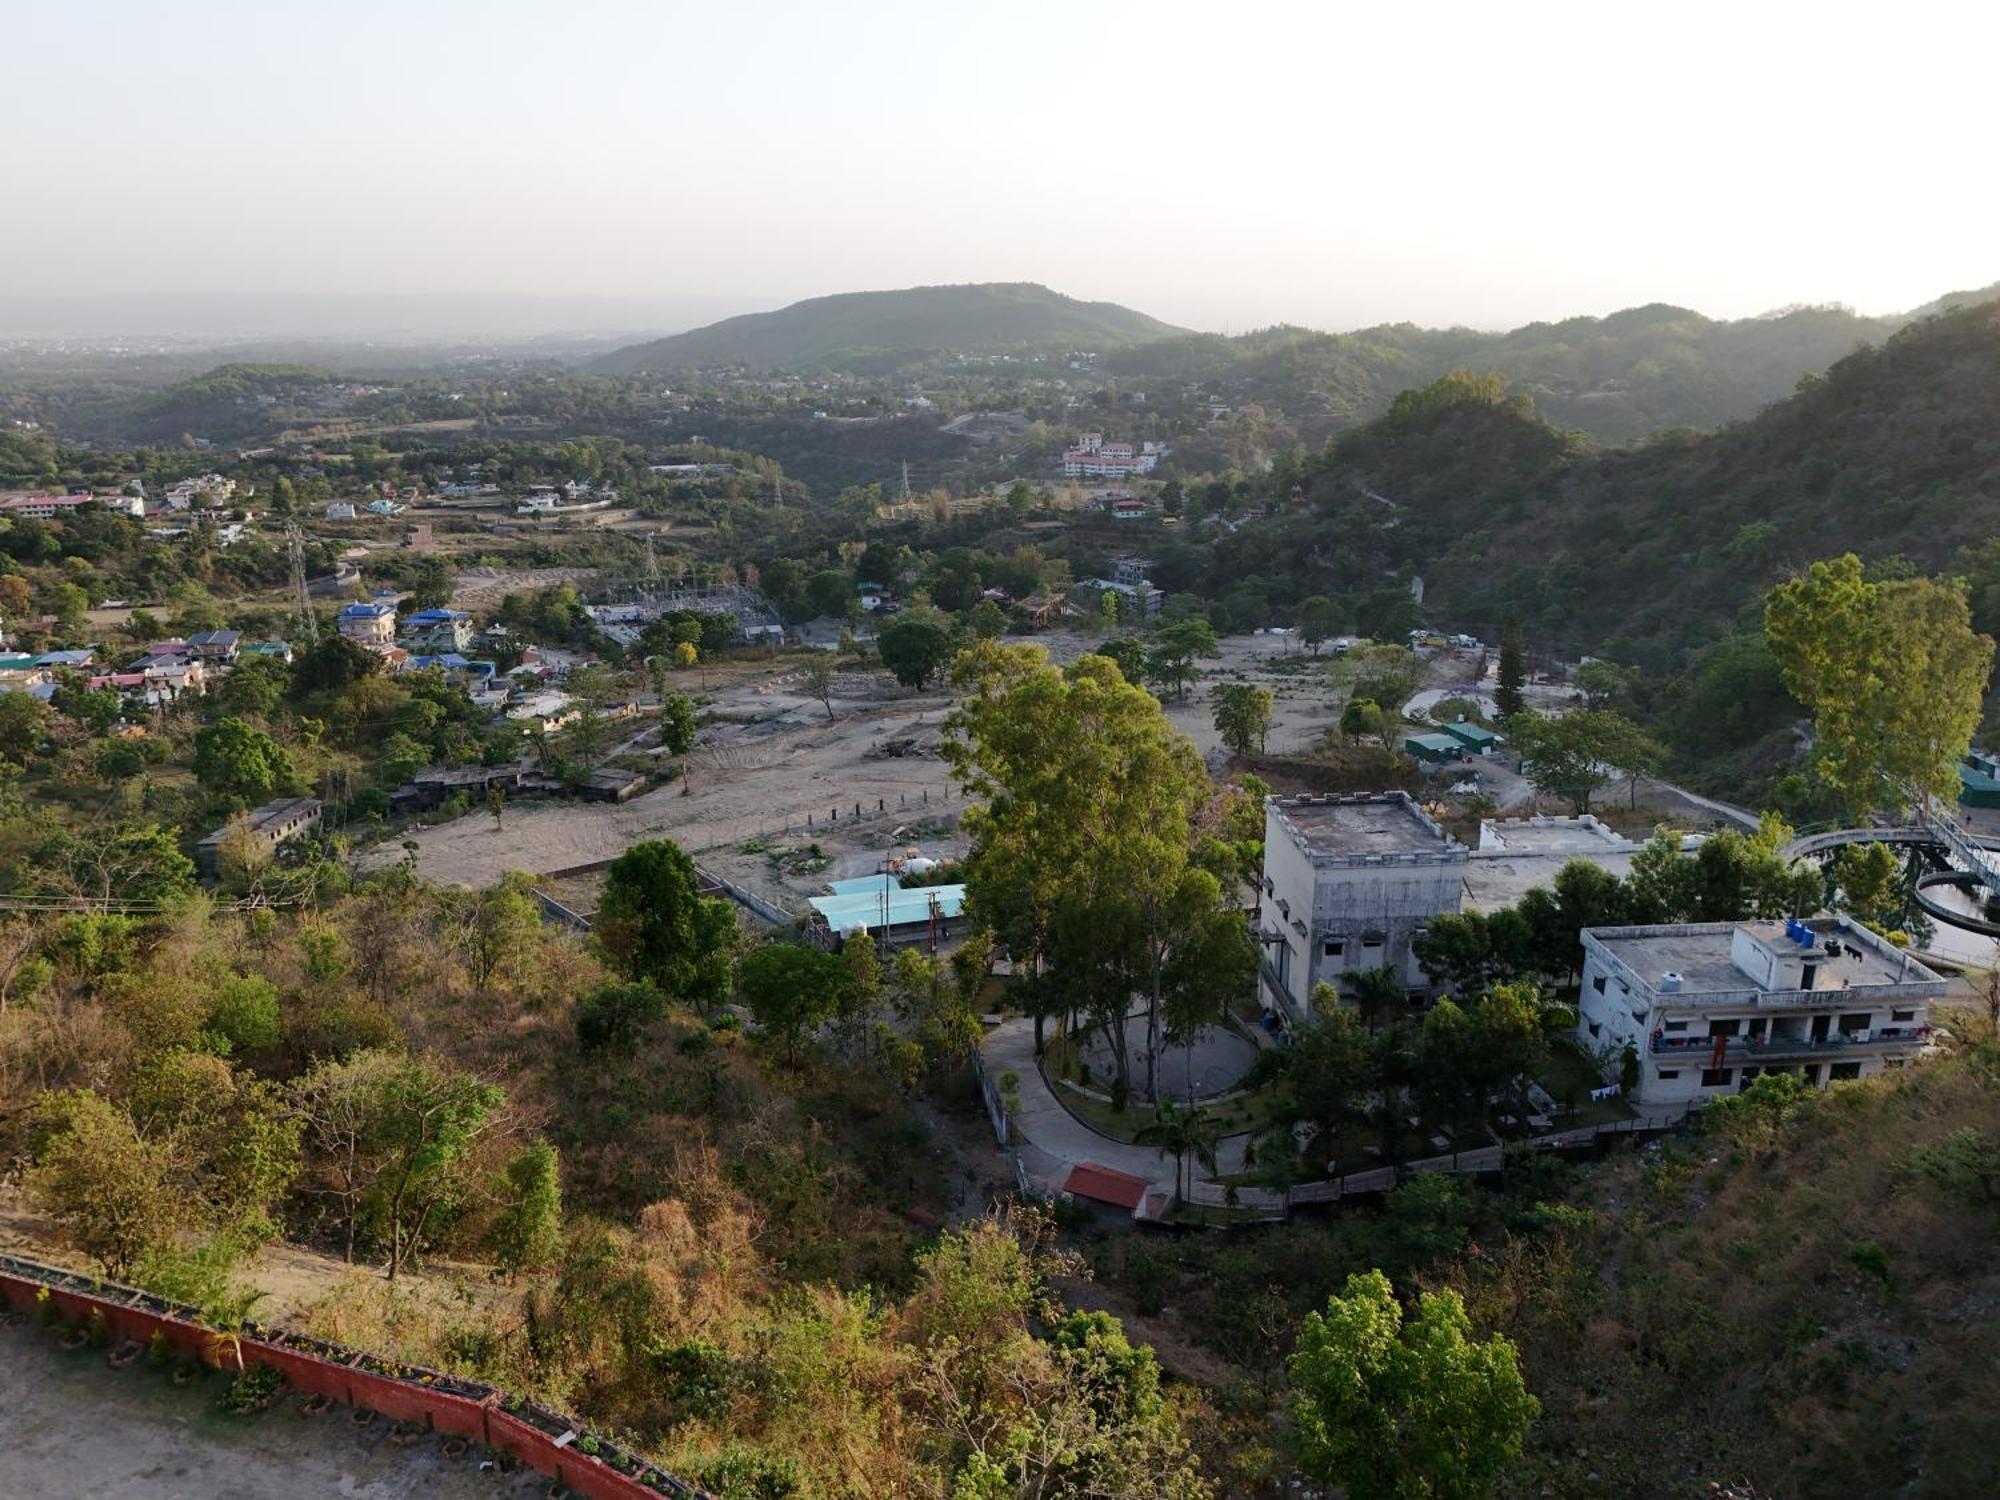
(1041, 1120)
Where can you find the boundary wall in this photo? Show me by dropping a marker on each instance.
(545, 1440)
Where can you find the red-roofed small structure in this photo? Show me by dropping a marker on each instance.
(1105, 1185)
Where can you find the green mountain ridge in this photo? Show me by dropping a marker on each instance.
(1619, 378)
(860, 328)
(1647, 554)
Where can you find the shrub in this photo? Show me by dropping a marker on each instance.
(253, 1390)
(1871, 1260)
(700, 1376)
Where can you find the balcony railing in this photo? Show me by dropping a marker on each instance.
(1742, 1047)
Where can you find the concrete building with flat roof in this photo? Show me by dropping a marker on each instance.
(260, 831)
(1348, 882)
(1711, 1006)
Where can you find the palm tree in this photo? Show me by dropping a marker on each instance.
(1378, 991)
(1179, 1133)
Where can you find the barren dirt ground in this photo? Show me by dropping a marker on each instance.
(71, 1428)
(769, 758)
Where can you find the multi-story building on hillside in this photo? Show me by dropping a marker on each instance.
(1093, 458)
(1711, 1006)
(1348, 882)
(371, 625)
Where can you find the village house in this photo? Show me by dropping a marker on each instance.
(437, 631)
(261, 831)
(372, 625)
(216, 647)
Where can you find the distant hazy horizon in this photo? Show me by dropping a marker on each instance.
(618, 166)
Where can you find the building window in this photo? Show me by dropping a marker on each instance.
(1844, 1070)
(1668, 1075)
(1598, 984)
(1724, 1028)
(1902, 1015)
(1595, 1029)
(1332, 948)
(1716, 1078)
(1675, 1026)
(1371, 941)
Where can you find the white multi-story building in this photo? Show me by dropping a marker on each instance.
(1711, 1006)
(1348, 882)
(54, 507)
(1093, 458)
(372, 625)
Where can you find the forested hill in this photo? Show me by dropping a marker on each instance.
(1644, 554)
(858, 329)
(1617, 378)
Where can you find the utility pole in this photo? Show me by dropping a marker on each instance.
(906, 482)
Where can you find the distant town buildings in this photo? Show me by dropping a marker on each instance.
(204, 490)
(37, 507)
(1093, 458)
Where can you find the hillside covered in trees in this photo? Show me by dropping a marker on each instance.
(858, 329)
(1644, 555)
(1617, 378)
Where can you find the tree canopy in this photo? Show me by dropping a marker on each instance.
(1893, 671)
(1405, 1407)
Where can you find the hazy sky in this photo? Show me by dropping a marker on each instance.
(1229, 164)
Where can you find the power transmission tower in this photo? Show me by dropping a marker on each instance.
(308, 621)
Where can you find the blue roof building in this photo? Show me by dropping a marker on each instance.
(876, 904)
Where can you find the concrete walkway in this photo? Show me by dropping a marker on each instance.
(1043, 1122)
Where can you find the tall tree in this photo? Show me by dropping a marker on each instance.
(1242, 713)
(1090, 796)
(427, 1118)
(915, 650)
(1507, 697)
(1176, 648)
(1893, 671)
(1391, 1407)
(1180, 1132)
(1319, 621)
(655, 924)
(792, 990)
(817, 680)
(1573, 754)
(237, 758)
(528, 1232)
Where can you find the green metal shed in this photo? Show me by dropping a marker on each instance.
(1475, 737)
(1434, 748)
(1977, 785)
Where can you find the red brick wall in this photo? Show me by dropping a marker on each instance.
(478, 1417)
